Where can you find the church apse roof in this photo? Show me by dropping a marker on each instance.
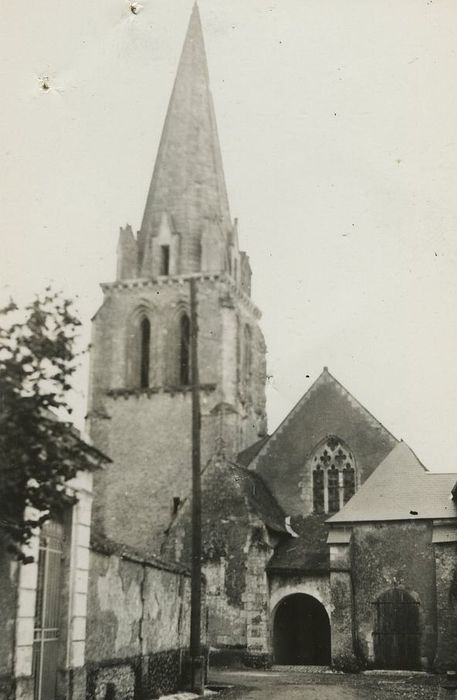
(307, 552)
(260, 499)
(401, 488)
(229, 489)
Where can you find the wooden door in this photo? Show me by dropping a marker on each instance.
(397, 631)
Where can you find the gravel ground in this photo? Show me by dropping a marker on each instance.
(287, 685)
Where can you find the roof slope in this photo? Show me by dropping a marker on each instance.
(246, 456)
(260, 499)
(307, 552)
(188, 179)
(400, 488)
(222, 481)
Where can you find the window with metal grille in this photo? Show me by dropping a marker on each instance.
(48, 611)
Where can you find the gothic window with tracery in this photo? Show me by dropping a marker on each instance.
(333, 487)
(318, 490)
(348, 482)
(334, 475)
(145, 346)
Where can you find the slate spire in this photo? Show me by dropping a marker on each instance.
(188, 182)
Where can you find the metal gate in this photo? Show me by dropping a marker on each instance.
(47, 611)
(397, 631)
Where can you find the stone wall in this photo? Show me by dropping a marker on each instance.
(256, 600)
(138, 625)
(235, 551)
(385, 556)
(342, 604)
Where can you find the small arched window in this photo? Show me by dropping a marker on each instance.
(184, 350)
(247, 353)
(145, 347)
(334, 475)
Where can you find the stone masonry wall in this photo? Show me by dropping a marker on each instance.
(137, 629)
(342, 602)
(256, 599)
(388, 555)
(235, 551)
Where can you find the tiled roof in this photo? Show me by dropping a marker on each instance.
(401, 488)
(307, 552)
(246, 456)
(260, 499)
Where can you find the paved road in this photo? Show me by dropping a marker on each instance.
(287, 685)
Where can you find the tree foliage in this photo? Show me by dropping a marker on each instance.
(39, 449)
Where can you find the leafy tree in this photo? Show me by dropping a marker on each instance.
(39, 449)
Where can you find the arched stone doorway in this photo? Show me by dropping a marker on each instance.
(397, 631)
(301, 632)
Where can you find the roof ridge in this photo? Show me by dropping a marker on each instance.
(301, 401)
(361, 406)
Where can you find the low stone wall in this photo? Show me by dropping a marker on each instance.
(137, 627)
(141, 676)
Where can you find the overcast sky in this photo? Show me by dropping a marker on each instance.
(337, 121)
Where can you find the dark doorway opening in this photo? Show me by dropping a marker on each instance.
(397, 631)
(301, 632)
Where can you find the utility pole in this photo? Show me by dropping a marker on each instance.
(196, 661)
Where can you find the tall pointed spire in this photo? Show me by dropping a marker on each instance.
(188, 181)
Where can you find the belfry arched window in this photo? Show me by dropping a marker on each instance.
(334, 475)
(145, 348)
(247, 353)
(184, 350)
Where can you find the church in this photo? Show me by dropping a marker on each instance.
(325, 542)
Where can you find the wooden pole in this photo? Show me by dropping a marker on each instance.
(195, 615)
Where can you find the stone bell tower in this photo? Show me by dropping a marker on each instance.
(140, 400)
